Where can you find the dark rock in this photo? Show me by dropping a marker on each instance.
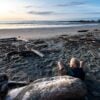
(83, 30)
(8, 39)
(39, 41)
(54, 88)
(15, 84)
(50, 51)
(21, 53)
(40, 46)
(96, 94)
(96, 30)
(3, 86)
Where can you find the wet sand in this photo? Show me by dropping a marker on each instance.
(37, 33)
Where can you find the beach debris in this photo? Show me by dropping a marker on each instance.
(32, 52)
(53, 88)
(40, 46)
(37, 52)
(50, 50)
(83, 30)
(39, 41)
(22, 39)
(96, 30)
(94, 53)
(8, 39)
(28, 65)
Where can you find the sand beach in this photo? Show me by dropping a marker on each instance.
(38, 33)
(84, 44)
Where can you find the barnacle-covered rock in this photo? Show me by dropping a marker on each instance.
(54, 88)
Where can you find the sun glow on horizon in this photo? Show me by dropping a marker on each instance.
(7, 7)
(12, 10)
(49, 9)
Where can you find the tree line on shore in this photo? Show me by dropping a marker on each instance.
(88, 21)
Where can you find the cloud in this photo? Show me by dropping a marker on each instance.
(84, 13)
(41, 12)
(32, 6)
(87, 13)
(29, 6)
(71, 4)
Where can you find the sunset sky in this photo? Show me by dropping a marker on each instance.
(49, 9)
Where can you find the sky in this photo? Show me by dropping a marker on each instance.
(49, 9)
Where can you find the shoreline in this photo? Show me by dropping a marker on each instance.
(39, 33)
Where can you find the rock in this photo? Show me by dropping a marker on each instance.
(96, 94)
(8, 39)
(40, 46)
(54, 88)
(39, 41)
(83, 30)
(3, 86)
(23, 53)
(6, 85)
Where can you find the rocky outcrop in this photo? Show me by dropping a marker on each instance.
(54, 88)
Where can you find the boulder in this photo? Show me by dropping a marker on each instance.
(54, 88)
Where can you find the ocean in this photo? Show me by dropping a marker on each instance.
(41, 24)
(42, 29)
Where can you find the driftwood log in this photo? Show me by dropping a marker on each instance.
(8, 39)
(83, 30)
(32, 52)
(54, 88)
